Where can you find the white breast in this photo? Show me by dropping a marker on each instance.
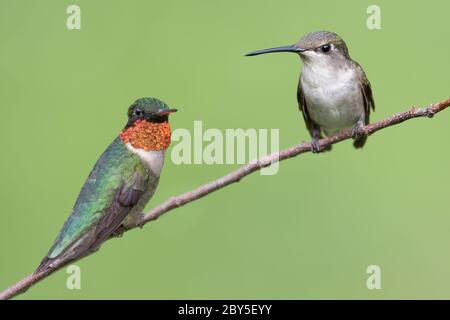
(153, 160)
(333, 97)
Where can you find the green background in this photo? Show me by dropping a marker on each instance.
(308, 232)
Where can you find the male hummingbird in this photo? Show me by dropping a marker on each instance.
(333, 91)
(119, 186)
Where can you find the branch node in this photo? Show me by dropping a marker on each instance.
(429, 111)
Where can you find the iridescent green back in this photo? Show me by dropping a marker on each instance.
(116, 166)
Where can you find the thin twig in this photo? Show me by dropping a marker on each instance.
(237, 175)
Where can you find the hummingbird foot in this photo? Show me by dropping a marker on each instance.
(359, 135)
(317, 148)
(118, 233)
(315, 145)
(140, 224)
(316, 135)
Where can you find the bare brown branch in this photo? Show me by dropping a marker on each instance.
(242, 172)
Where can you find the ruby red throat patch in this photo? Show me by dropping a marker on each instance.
(147, 136)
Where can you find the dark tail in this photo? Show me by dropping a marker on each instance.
(359, 142)
(64, 258)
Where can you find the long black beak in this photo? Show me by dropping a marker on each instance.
(291, 48)
(163, 112)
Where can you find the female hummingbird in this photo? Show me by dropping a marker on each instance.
(119, 186)
(333, 91)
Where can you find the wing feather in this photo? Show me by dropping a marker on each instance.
(366, 91)
(113, 188)
(310, 124)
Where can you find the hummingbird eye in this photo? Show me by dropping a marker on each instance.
(325, 48)
(138, 112)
